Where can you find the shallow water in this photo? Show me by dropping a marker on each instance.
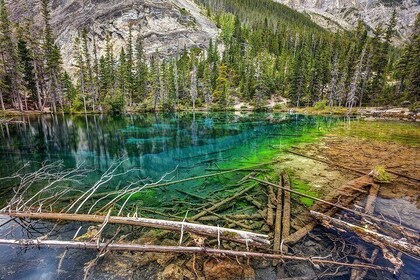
(152, 145)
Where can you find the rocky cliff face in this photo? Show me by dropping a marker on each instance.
(344, 14)
(166, 25)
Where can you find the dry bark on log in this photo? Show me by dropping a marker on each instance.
(345, 195)
(254, 202)
(286, 209)
(179, 250)
(231, 221)
(368, 235)
(310, 223)
(250, 238)
(221, 203)
(277, 225)
(370, 202)
(270, 213)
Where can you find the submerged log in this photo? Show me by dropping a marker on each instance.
(179, 250)
(221, 203)
(357, 274)
(277, 224)
(250, 238)
(270, 213)
(345, 195)
(368, 235)
(167, 184)
(286, 208)
(360, 172)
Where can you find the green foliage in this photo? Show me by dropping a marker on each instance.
(220, 94)
(268, 50)
(380, 174)
(115, 104)
(320, 105)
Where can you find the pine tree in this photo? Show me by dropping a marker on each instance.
(80, 71)
(52, 58)
(193, 87)
(89, 80)
(69, 91)
(355, 84)
(122, 74)
(10, 79)
(141, 71)
(27, 68)
(220, 93)
(413, 87)
(206, 86)
(131, 83)
(154, 79)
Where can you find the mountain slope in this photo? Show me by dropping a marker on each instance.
(166, 25)
(344, 14)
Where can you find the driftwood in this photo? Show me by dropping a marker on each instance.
(203, 155)
(286, 208)
(361, 172)
(368, 235)
(330, 208)
(167, 184)
(227, 219)
(346, 194)
(221, 203)
(370, 202)
(270, 213)
(254, 202)
(179, 250)
(403, 175)
(243, 170)
(213, 218)
(277, 224)
(250, 238)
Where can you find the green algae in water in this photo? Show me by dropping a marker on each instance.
(304, 187)
(99, 140)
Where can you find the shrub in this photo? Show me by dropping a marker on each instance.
(380, 175)
(320, 105)
(115, 104)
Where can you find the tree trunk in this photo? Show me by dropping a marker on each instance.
(368, 235)
(179, 250)
(250, 238)
(1, 101)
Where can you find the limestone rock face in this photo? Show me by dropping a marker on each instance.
(166, 25)
(344, 14)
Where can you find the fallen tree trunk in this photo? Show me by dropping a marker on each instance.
(179, 250)
(361, 172)
(367, 234)
(363, 182)
(250, 238)
(277, 224)
(221, 203)
(161, 185)
(286, 208)
(370, 202)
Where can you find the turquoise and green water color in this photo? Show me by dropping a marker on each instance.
(184, 145)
